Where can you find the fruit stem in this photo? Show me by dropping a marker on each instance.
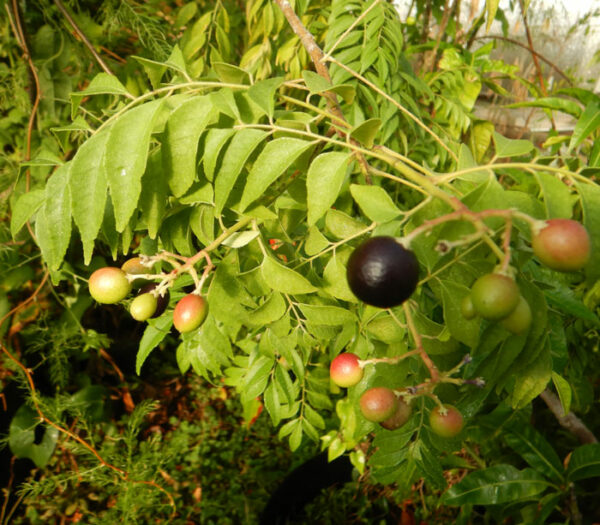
(389, 360)
(505, 261)
(433, 371)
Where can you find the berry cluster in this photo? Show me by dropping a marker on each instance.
(110, 285)
(382, 272)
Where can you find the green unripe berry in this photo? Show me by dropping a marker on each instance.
(143, 307)
(495, 296)
(519, 320)
(134, 266)
(109, 285)
(162, 301)
(467, 309)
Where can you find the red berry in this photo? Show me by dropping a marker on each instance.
(345, 370)
(563, 245)
(190, 312)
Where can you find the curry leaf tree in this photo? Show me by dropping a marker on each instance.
(250, 180)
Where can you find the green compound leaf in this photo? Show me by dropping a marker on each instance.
(125, 159)
(534, 449)
(154, 333)
(24, 208)
(89, 188)
(465, 331)
(263, 94)
(565, 393)
(531, 382)
(236, 155)
(590, 203)
(588, 122)
(53, 222)
(558, 199)
(277, 156)
(511, 147)
(216, 138)
(375, 203)
(155, 192)
(324, 181)
(182, 133)
(584, 462)
(366, 132)
(284, 280)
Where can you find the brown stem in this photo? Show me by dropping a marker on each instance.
(534, 56)
(531, 50)
(82, 36)
(574, 508)
(569, 421)
(69, 433)
(20, 36)
(536, 62)
(316, 55)
(8, 489)
(433, 371)
(430, 59)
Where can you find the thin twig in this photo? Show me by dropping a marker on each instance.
(429, 63)
(83, 37)
(317, 57)
(532, 51)
(28, 375)
(20, 36)
(433, 371)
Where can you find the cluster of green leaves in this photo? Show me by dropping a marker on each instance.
(232, 150)
(213, 483)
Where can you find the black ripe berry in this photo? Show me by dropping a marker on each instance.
(382, 273)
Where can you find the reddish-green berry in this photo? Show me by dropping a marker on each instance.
(494, 296)
(109, 285)
(143, 307)
(400, 416)
(562, 245)
(448, 424)
(134, 266)
(345, 370)
(190, 312)
(378, 404)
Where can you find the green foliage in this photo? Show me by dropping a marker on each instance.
(215, 153)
